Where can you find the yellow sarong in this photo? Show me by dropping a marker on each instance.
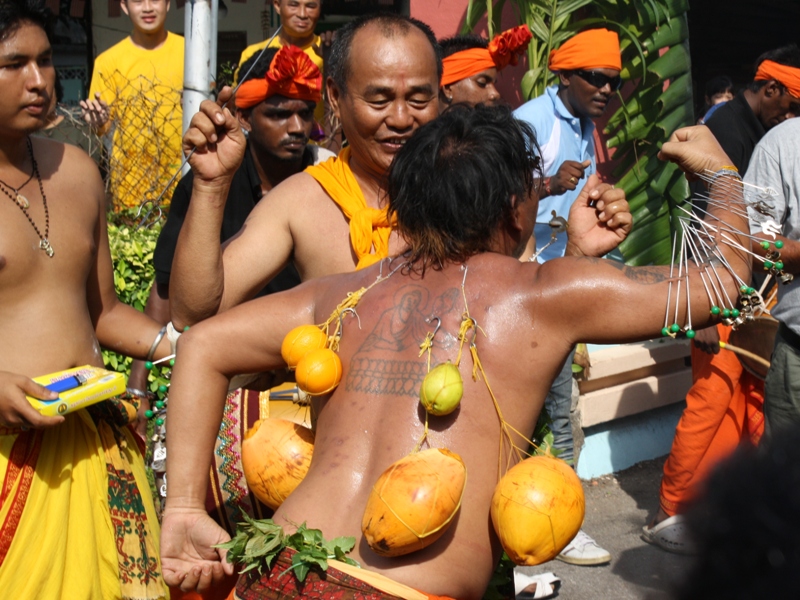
(77, 519)
(369, 227)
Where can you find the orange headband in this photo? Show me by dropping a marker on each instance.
(503, 50)
(291, 74)
(788, 76)
(592, 49)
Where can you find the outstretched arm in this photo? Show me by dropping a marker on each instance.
(246, 339)
(607, 302)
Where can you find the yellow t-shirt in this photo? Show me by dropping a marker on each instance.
(319, 112)
(143, 89)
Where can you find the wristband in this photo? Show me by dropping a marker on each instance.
(156, 342)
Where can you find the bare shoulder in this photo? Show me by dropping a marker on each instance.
(63, 161)
(69, 170)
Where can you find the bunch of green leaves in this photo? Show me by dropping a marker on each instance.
(132, 251)
(258, 542)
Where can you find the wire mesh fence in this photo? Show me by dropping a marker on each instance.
(139, 150)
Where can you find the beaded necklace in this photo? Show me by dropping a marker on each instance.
(23, 204)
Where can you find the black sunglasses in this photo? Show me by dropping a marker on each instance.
(599, 80)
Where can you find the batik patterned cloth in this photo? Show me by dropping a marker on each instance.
(76, 515)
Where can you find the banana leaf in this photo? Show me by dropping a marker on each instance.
(679, 92)
(673, 63)
(680, 117)
(662, 178)
(646, 234)
(673, 32)
(638, 101)
(657, 252)
(639, 128)
(650, 16)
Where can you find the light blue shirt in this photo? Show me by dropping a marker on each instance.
(561, 137)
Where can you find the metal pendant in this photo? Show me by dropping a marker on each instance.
(23, 201)
(48, 249)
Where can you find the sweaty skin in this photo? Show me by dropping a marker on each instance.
(54, 312)
(529, 314)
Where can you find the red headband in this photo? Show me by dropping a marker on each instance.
(291, 74)
(503, 50)
(788, 76)
(591, 49)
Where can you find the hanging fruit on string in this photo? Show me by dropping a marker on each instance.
(442, 389)
(413, 502)
(300, 341)
(537, 508)
(319, 372)
(276, 454)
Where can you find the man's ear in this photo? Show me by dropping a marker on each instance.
(563, 78)
(772, 89)
(334, 96)
(243, 116)
(124, 6)
(446, 92)
(515, 216)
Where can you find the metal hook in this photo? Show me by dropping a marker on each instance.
(474, 331)
(350, 310)
(153, 206)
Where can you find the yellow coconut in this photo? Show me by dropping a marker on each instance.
(276, 454)
(319, 372)
(300, 341)
(442, 389)
(413, 502)
(537, 508)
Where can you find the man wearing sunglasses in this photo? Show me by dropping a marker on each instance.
(588, 67)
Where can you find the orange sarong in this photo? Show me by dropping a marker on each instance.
(724, 407)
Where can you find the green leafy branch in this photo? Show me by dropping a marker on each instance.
(258, 542)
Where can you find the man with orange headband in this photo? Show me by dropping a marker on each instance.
(471, 64)
(726, 403)
(588, 67)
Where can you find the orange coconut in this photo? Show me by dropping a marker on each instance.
(413, 502)
(319, 372)
(276, 454)
(300, 341)
(537, 508)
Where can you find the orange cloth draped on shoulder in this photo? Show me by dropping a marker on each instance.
(369, 227)
(591, 49)
(724, 408)
(503, 50)
(291, 74)
(788, 76)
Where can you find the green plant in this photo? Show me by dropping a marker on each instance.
(654, 44)
(258, 542)
(132, 259)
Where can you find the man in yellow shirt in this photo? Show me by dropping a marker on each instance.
(136, 91)
(298, 21)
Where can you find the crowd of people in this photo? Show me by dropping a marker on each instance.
(440, 207)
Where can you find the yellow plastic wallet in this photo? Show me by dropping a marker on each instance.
(86, 385)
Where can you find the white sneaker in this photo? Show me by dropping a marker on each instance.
(583, 550)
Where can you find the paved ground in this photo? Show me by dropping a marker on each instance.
(616, 508)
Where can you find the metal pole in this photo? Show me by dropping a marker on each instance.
(214, 35)
(196, 68)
